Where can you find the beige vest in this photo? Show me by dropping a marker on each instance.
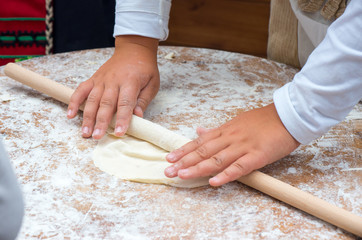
(285, 30)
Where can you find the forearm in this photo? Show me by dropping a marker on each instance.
(329, 85)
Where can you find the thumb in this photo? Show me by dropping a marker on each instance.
(144, 98)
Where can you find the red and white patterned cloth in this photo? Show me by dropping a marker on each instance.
(22, 29)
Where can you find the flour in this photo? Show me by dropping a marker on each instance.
(68, 197)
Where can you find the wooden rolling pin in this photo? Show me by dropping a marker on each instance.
(258, 180)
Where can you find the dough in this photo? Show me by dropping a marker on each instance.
(142, 157)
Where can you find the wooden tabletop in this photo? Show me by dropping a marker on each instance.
(67, 197)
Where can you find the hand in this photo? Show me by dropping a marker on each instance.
(250, 141)
(125, 84)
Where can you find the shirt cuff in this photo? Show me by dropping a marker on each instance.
(135, 17)
(289, 116)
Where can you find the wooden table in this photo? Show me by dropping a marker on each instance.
(67, 197)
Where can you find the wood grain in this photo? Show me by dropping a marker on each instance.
(67, 197)
(260, 181)
(232, 25)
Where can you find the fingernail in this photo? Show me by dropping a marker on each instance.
(69, 113)
(118, 130)
(170, 171)
(214, 180)
(85, 130)
(171, 157)
(96, 132)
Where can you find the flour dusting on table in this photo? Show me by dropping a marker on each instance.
(67, 197)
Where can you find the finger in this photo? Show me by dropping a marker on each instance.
(107, 107)
(78, 97)
(177, 154)
(145, 97)
(138, 111)
(211, 166)
(90, 111)
(201, 153)
(126, 103)
(200, 130)
(239, 168)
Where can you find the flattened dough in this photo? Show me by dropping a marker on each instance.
(142, 158)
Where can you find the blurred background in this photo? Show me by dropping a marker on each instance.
(30, 28)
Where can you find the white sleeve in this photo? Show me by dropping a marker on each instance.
(11, 200)
(329, 85)
(148, 18)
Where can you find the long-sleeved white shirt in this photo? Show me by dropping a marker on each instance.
(320, 95)
(329, 85)
(11, 200)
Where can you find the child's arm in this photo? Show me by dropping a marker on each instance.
(320, 96)
(129, 80)
(250, 141)
(329, 85)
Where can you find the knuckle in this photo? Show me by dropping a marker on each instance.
(228, 174)
(218, 161)
(92, 98)
(219, 132)
(107, 103)
(198, 141)
(202, 152)
(240, 167)
(125, 103)
(236, 170)
(142, 102)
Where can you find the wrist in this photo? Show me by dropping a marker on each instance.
(149, 44)
(274, 115)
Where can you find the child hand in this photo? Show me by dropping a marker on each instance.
(248, 142)
(125, 84)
